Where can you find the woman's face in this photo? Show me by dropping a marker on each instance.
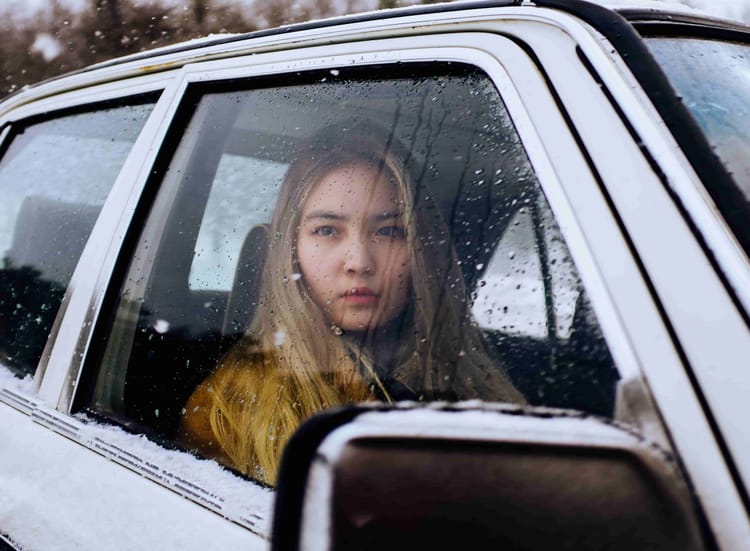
(352, 247)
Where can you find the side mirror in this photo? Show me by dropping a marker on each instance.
(468, 478)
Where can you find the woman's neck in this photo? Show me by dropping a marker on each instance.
(383, 346)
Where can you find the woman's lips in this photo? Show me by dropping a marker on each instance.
(360, 296)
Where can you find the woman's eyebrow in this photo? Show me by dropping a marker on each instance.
(324, 214)
(388, 215)
(331, 215)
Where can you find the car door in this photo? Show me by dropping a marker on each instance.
(166, 328)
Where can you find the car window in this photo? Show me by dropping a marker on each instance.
(54, 177)
(212, 267)
(353, 236)
(712, 78)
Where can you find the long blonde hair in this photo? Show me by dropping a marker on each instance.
(291, 365)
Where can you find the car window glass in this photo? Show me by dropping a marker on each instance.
(227, 209)
(511, 295)
(54, 178)
(712, 78)
(353, 236)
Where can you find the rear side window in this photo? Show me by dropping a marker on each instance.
(354, 236)
(54, 177)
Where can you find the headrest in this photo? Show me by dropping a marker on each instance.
(243, 297)
(49, 236)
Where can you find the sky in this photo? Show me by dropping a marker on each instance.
(727, 8)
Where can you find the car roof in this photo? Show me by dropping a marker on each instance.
(665, 10)
(188, 51)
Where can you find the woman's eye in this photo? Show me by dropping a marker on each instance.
(325, 231)
(396, 232)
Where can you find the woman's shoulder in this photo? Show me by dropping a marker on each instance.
(195, 424)
(243, 357)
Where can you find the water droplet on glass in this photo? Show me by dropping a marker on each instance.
(279, 337)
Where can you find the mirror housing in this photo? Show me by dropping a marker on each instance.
(452, 477)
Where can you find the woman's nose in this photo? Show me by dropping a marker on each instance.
(358, 257)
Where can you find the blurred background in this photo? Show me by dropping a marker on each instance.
(43, 38)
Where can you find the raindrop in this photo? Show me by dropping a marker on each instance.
(279, 337)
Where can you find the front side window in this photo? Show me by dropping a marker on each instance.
(354, 236)
(54, 177)
(712, 78)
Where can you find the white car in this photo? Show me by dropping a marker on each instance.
(590, 166)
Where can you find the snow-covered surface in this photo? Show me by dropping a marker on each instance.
(113, 490)
(486, 422)
(11, 382)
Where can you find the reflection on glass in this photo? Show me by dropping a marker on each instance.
(712, 77)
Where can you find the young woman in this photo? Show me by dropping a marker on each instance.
(362, 298)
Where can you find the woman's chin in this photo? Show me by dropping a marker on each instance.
(362, 323)
(357, 322)
(355, 326)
